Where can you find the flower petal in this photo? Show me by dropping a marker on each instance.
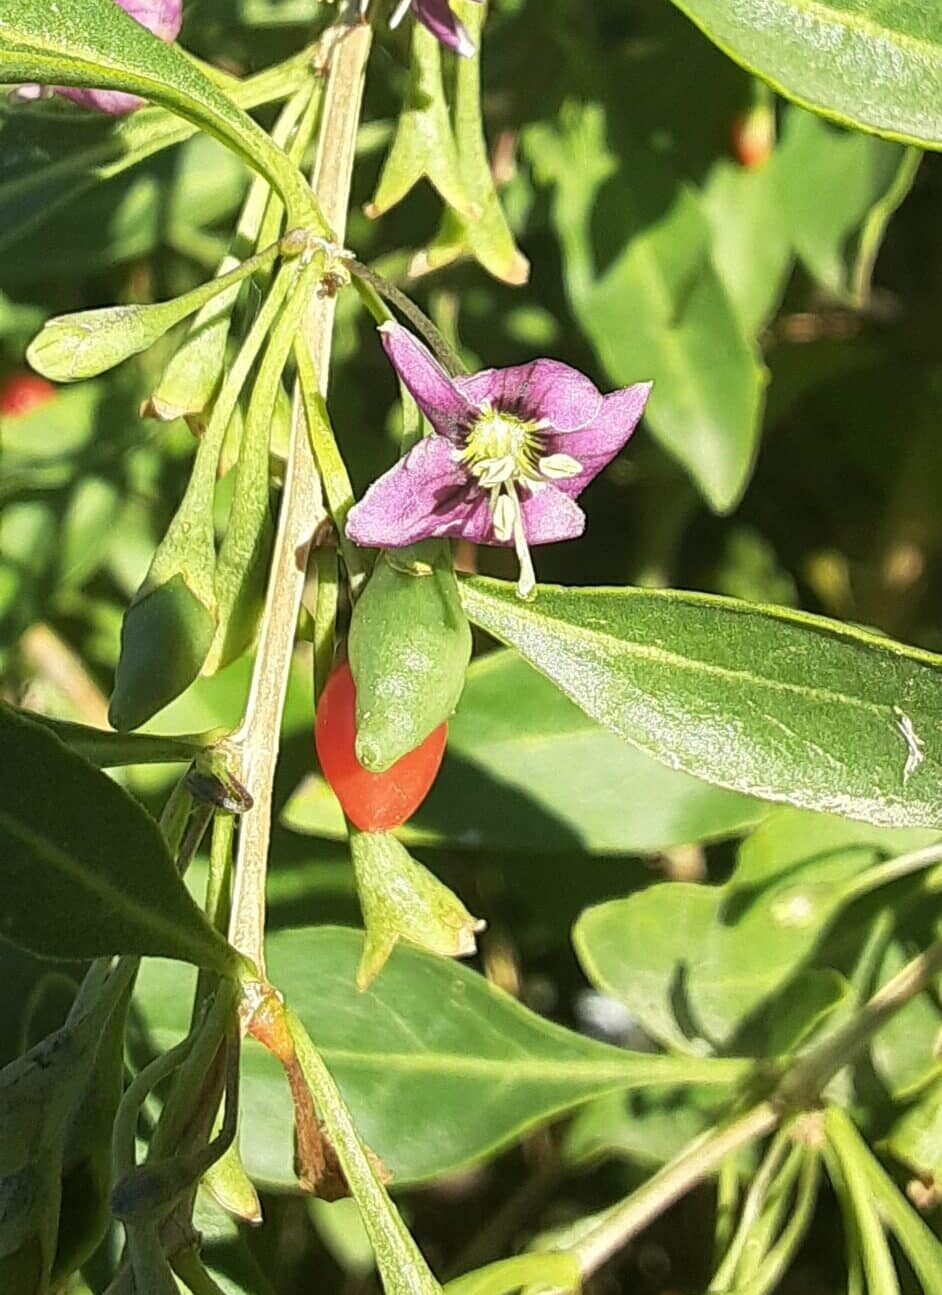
(439, 398)
(437, 16)
(163, 17)
(114, 102)
(549, 515)
(542, 389)
(427, 493)
(596, 445)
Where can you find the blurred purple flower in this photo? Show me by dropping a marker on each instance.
(437, 16)
(510, 451)
(162, 17)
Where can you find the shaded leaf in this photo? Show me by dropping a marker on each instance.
(438, 1067)
(686, 333)
(100, 46)
(876, 67)
(72, 835)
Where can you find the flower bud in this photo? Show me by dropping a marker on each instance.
(753, 136)
(409, 649)
(165, 637)
(402, 900)
(231, 1187)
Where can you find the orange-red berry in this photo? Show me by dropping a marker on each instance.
(374, 802)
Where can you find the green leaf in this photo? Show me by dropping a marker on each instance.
(904, 1051)
(39, 1094)
(82, 345)
(175, 197)
(875, 1196)
(751, 248)
(438, 1067)
(686, 334)
(915, 1138)
(499, 785)
(876, 67)
(774, 703)
(559, 1271)
(108, 884)
(647, 1128)
(98, 45)
(854, 171)
(424, 144)
(112, 750)
(485, 235)
(402, 1266)
(695, 963)
(242, 565)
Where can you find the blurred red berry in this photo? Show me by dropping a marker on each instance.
(21, 393)
(374, 802)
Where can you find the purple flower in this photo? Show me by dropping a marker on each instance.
(162, 17)
(510, 451)
(437, 16)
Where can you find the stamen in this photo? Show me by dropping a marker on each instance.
(493, 472)
(505, 516)
(526, 582)
(556, 467)
(399, 13)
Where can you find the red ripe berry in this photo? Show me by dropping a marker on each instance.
(374, 802)
(21, 393)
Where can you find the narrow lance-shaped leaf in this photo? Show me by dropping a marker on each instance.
(110, 750)
(168, 629)
(559, 1271)
(193, 373)
(71, 347)
(424, 144)
(877, 1202)
(778, 704)
(876, 67)
(401, 1264)
(96, 44)
(41, 1098)
(72, 835)
(487, 236)
(243, 556)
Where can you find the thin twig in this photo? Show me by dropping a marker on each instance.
(446, 353)
(675, 1180)
(255, 745)
(800, 1087)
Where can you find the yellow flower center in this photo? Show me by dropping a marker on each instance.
(503, 452)
(501, 448)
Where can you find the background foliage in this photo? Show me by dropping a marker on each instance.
(787, 314)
